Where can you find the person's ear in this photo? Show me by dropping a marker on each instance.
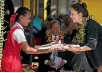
(80, 14)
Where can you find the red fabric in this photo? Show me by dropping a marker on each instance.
(11, 61)
(13, 17)
(37, 41)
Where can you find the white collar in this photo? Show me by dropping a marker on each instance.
(53, 36)
(18, 24)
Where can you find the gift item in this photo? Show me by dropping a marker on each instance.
(52, 45)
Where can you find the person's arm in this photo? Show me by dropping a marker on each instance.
(19, 36)
(91, 38)
(30, 50)
(85, 48)
(75, 49)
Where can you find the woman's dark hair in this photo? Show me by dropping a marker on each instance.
(81, 8)
(21, 11)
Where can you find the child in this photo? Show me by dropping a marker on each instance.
(16, 41)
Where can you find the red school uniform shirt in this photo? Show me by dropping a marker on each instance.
(11, 61)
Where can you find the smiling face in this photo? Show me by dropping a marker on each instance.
(76, 16)
(25, 19)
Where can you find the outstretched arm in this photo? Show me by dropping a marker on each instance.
(30, 50)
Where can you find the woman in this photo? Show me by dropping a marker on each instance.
(16, 41)
(89, 35)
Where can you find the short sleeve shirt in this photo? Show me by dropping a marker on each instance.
(18, 34)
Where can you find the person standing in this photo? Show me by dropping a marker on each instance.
(89, 36)
(16, 41)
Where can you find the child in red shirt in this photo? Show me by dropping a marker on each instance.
(16, 41)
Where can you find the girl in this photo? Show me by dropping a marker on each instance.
(16, 41)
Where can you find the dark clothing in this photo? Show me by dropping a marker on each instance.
(68, 54)
(80, 63)
(68, 38)
(93, 39)
(45, 68)
(76, 61)
(42, 67)
(42, 57)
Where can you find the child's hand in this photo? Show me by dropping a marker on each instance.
(36, 47)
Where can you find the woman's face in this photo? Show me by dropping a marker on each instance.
(75, 16)
(26, 19)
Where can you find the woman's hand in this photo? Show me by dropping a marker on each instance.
(100, 69)
(74, 48)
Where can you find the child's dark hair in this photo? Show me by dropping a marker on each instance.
(21, 11)
(81, 8)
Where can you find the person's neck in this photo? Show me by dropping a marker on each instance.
(80, 22)
(19, 23)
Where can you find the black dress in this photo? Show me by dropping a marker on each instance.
(93, 39)
(79, 61)
(90, 60)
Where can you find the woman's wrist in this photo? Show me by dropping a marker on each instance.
(85, 48)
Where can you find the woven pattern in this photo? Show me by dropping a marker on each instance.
(1, 25)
